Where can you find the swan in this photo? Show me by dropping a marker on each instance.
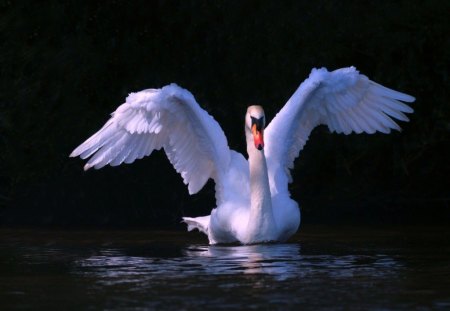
(252, 196)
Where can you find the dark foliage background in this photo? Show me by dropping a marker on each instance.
(65, 65)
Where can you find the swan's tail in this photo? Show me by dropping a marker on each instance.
(200, 223)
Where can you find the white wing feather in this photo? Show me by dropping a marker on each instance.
(168, 118)
(344, 100)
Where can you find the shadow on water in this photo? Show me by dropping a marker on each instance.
(148, 270)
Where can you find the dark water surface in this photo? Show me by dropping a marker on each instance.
(331, 268)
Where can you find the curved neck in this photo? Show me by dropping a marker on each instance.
(261, 224)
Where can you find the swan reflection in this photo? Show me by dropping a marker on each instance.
(279, 261)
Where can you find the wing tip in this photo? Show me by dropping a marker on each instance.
(409, 99)
(404, 97)
(76, 152)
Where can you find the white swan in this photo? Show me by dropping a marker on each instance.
(252, 197)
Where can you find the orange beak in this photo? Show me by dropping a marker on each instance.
(258, 137)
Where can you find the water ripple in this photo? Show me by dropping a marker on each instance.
(280, 261)
(134, 271)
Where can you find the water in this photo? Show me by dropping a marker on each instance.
(321, 268)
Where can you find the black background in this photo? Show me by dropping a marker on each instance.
(65, 65)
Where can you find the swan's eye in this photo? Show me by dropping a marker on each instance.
(258, 122)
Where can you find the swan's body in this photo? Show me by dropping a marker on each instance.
(253, 201)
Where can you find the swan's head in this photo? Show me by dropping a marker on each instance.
(254, 123)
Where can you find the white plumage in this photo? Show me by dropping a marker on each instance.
(253, 201)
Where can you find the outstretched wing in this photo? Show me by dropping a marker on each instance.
(168, 118)
(344, 100)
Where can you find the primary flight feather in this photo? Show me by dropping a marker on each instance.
(252, 197)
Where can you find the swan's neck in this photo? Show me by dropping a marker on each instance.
(261, 224)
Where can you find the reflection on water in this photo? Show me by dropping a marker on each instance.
(127, 272)
(285, 261)
(278, 260)
(282, 261)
